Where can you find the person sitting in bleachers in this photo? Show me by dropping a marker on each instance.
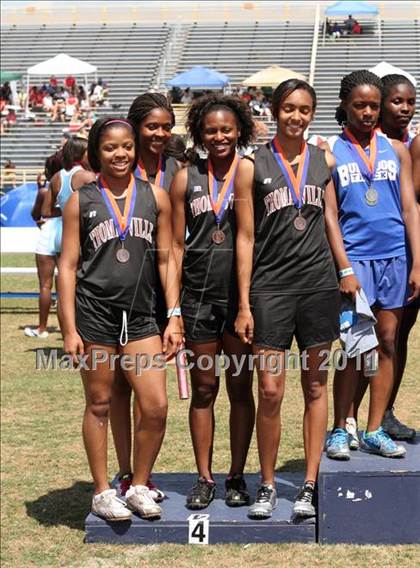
(35, 99)
(349, 25)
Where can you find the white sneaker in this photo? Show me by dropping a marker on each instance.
(34, 332)
(139, 499)
(351, 429)
(109, 507)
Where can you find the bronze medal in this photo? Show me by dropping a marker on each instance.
(123, 255)
(218, 237)
(299, 223)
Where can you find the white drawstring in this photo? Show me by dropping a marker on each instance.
(124, 329)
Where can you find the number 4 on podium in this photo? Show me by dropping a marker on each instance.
(198, 529)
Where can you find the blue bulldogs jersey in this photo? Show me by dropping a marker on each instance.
(369, 232)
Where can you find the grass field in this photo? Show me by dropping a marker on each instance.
(46, 487)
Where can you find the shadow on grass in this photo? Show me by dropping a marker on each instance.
(67, 507)
(18, 310)
(47, 351)
(292, 465)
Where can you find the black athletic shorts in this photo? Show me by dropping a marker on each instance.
(99, 322)
(312, 318)
(205, 320)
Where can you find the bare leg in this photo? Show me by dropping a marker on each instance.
(345, 385)
(382, 383)
(271, 379)
(408, 320)
(315, 417)
(98, 388)
(242, 407)
(150, 390)
(120, 417)
(362, 384)
(45, 266)
(204, 386)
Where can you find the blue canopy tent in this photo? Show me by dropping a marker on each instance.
(353, 8)
(16, 206)
(199, 78)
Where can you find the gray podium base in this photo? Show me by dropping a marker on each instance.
(226, 525)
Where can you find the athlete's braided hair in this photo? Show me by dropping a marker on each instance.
(145, 103)
(285, 89)
(215, 101)
(348, 83)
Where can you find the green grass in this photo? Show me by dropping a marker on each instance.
(46, 486)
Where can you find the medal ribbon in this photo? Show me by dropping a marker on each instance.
(366, 164)
(296, 183)
(160, 174)
(219, 202)
(121, 222)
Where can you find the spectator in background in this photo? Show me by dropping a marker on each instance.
(72, 105)
(357, 28)
(187, 97)
(48, 104)
(349, 24)
(70, 83)
(53, 84)
(6, 93)
(336, 31)
(97, 94)
(59, 109)
(9, 175)
(36, 99)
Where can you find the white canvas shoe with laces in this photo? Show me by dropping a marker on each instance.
(140, 500)
(109, 507)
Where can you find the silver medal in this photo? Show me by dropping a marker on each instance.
(123, 255)
(371, 196)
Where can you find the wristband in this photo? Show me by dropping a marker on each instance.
(345, 272)
(173, 312)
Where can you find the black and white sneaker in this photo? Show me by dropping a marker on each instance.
(304, 505)
(236, 493)
(201, 495)
(265, 502)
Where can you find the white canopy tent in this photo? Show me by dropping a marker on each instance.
(384, 68)
(61, 64)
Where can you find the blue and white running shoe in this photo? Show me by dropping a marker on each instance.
(382, 444)
(337, 445)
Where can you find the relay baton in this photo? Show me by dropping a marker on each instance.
(181, 373)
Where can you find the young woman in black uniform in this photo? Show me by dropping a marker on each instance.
(285, 209)
(154, 119)
(202, 200)
(122, 226)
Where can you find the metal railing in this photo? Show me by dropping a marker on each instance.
(10, 178)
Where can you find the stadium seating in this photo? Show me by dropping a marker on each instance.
(337, 58)
(134, 58)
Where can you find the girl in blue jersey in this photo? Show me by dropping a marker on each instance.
(377, 214)
(397, 109)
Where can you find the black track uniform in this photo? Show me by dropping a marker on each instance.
(106, 287)
(170, 167)
(294, 288)
(208, 279)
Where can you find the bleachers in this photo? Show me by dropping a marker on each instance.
(400, 46)
(239, 50)
(134, 58)
(127, 58)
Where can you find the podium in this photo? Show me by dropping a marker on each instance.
(223, 524)
(370, 499)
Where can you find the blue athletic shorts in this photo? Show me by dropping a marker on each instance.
(385, 282)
